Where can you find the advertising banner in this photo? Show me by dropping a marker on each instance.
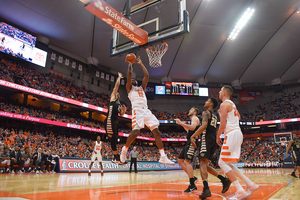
(246, 96)
(82, 165)
(116, 20)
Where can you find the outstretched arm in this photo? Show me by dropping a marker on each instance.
(129, 77)
(116, 88)
(288, 148)
(202, 128)
(146, 74)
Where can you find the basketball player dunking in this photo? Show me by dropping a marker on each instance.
(97, 147)
(231, 149)
(295, 144)
(187, 154)
(141, 115)
(208, 146)
(110, 123)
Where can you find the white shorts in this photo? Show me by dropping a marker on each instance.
(5, 162)
(231, 149)
(142, 117)
(98, 156)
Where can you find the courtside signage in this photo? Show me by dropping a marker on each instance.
(116, 20)
(82, 165)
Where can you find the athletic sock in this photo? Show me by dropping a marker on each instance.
(222, 178)
(162, 152)
(238, 187)
(205, 184)
(89, 170)
(192, 181)
(125, 148)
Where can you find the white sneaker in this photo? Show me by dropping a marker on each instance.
(123, 155)
(240, 196)
(165, 160)
(250, 190)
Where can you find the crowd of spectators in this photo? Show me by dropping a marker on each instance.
(284, 107)
(262, 152)
(60, 85)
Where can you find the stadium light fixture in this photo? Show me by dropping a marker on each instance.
(241, 23)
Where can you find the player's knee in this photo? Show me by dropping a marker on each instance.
(224, 166)
(135, 133)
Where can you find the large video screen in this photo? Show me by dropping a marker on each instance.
(11, 43)
(17, 34)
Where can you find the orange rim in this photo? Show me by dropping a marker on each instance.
(148, 49)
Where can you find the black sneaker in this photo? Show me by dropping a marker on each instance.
(190, 189)
(226, 185)
(294, 175)
(206, 193)
(195, 180)
(89, 173)
(101, 173)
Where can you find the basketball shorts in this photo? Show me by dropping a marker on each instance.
(296, 157)
(231, 149)
(5, 162)
(98, 156)
(142, 117)
(111, 128)
(187, 152)
(208, 146)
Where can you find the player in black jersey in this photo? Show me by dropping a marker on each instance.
(208, 146)
(110, 123)
(186, 156)
(295, 144)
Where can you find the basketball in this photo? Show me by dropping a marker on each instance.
(131, 58)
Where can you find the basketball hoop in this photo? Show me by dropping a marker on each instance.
(155, 53)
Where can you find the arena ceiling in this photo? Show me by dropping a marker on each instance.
(267, 48)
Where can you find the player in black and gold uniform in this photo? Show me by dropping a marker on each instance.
(208, 146)
(110, 123)
(187, 154)
(295, 144)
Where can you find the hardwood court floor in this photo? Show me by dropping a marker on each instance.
(274, 184)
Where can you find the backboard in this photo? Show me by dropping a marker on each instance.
(163, 20)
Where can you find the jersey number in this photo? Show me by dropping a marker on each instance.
(213, 121)
(141, 94)
(235, 111)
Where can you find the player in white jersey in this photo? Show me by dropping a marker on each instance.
(98, 152)
(231, 149)
(141, 115)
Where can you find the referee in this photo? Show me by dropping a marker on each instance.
(133, 156)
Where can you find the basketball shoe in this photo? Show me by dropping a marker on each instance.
(123, 155)
(240, 196)
(250, 190)
(190, 189)
(164, 160)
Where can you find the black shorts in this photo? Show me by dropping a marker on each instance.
(208, 146)
(187, 152)
(296, 157)
(111, 128)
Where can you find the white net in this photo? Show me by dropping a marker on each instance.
(155, 53)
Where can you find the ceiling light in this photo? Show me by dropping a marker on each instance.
(241, 23)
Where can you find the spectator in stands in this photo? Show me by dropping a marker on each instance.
(27, 158)
(16, 159)
(39, 161)
(5, 159)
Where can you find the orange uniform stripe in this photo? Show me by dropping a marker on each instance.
(224, 142)
(225, 147)
(226, 153)
(230, 159)
(133, 121)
